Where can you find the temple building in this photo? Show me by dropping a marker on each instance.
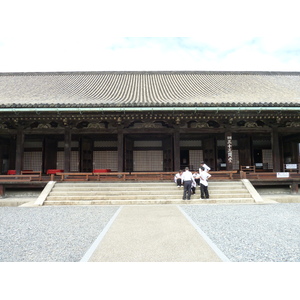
(149, 121)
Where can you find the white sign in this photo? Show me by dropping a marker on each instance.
(229, 149)
(291, 166)
(283, 174)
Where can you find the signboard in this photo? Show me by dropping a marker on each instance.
(283, 175)
(229, 149)
(291, 166)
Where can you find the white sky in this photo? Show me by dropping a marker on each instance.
(93, 35)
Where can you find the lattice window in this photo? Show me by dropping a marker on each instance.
(195, 156)
(60, 163)
(148, 160)
(33, 161)
(60, 160)
(105, 160)
(267, 158)
(235, 160)
(74, 161)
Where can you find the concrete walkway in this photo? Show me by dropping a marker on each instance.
(151, 234)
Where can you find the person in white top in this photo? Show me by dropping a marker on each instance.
(187, 179)
(197, 177)
(177, 178)
(205, 166)
(204, 175)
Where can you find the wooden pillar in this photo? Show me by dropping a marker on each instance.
(176, 150)
(67, 149)
(19, 150)
(120, 151)
(275, 150)
(228, 150)
(1, 157)
(2, 190)
(12, 153)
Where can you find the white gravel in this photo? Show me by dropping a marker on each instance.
(251, 233)
(244, 233)
(50, 234)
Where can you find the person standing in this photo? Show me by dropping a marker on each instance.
(205, 166)
(204, 175)
(187, 179)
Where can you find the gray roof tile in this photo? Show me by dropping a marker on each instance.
(122, 89)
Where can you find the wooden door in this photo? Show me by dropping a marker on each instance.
(49, 153)
(128, 154)
(168, 154)
(86, 160)
(244, 145)
(209, 152)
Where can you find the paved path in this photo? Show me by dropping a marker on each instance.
(151, 234)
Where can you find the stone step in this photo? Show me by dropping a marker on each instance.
(139, 188)
(137, 192)
(137, 197)
(149, 202)
(127, 184)
(103, 193)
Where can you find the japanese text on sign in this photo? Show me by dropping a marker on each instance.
(229, 149)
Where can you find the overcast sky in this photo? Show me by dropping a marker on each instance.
(91, 35)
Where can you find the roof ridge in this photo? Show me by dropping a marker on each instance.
(151, 72)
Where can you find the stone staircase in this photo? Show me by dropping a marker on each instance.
(124, 193)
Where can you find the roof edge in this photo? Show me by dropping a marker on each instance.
(290, 73)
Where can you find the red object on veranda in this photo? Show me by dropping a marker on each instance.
(102, 171)
(54, 171)
(11, 172)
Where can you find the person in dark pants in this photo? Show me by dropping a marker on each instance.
(187, 179)
(204, 184)
(177, 178)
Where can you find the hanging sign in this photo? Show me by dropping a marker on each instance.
(229, 148)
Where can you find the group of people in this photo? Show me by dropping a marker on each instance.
(189, 181)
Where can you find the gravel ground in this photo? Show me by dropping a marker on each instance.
(50, 234)
(251, 233)
(244, 233)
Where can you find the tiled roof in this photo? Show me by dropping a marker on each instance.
(144, 89)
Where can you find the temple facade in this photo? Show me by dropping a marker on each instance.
(149, 121)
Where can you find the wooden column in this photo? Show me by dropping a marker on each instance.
(176, 150)
(2, 190)
(120, 150)
(19, 150)
(67, 149)
(228, 150)
(275, 150)
(1, 157)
